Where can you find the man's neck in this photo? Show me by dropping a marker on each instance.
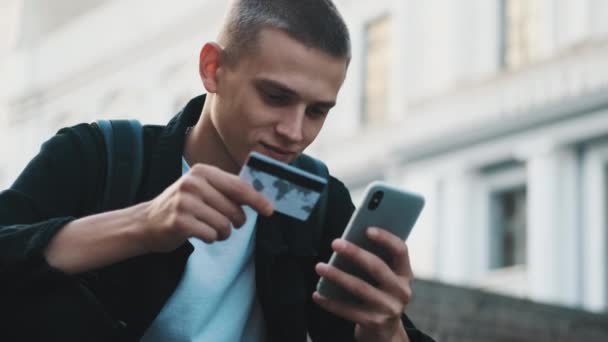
(204, 145)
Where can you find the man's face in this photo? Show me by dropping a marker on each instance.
(275, 100)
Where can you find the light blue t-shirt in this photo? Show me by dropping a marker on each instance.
(215, 299)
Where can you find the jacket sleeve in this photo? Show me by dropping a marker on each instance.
(325, 326)
(52, 190)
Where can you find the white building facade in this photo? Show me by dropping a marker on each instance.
(495, 110)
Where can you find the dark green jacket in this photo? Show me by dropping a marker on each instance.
(65, 181)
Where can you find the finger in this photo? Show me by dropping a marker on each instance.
(198, 229)
(221, 203)
(369, 262)
(398, 249)
(388, 280)
(347, 311)
(237, 190)
(208, 215)
(373, 297)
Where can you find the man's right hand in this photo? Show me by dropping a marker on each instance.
(204, 203)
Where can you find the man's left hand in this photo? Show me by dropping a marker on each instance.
(378, 317)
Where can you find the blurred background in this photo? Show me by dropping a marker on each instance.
(495, 110)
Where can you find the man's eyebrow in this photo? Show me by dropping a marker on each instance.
(326, 104)
(276, 85)
(288, 91)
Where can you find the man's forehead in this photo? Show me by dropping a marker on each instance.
(274, 38)
(285, 64)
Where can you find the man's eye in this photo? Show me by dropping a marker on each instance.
(316, 112)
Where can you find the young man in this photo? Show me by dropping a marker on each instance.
(172, 267)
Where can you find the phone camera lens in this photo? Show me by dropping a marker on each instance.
(375, 201)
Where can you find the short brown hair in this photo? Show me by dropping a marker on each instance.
(315, 23)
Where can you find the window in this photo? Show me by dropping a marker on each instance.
(520, 32)
(377, 63)
(508, 213)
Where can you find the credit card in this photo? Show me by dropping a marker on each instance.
(292, 191)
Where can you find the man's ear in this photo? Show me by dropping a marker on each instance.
(209, 62)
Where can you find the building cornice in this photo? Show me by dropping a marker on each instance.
(519, 122)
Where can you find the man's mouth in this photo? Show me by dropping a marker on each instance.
(277, 152)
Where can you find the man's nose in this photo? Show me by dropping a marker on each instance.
(291, 126)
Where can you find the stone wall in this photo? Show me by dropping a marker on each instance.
(450, 313)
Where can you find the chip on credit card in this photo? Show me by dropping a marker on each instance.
(292, 191)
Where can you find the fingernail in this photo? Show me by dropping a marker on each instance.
(322, 266)
(339, 244)
(317, 296)
(372, 231)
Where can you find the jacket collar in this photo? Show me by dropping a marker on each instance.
(165, 160)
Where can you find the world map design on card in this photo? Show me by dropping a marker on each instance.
(291, 191)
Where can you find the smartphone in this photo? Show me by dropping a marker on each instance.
(383, 206)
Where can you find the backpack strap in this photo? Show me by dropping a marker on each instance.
(124, 155)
